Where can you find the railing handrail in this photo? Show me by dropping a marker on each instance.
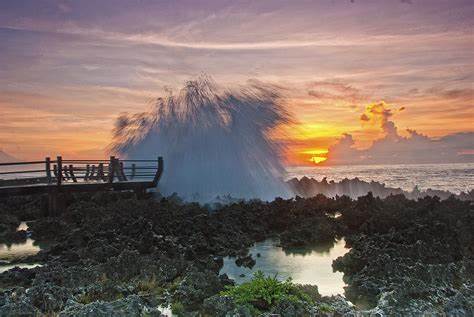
(21, 163)
(92, 170)
(83, 161)
(127, 160)
(22, 172)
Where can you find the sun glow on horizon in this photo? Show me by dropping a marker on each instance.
(315, 151)
(317, 159)
(317, 156)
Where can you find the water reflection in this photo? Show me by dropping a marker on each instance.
(18, 250)
(305, 266)
(4, 268)
(323, 248)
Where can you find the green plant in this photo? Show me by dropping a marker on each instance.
(177, 308)
(326, 308)
(262, 292)
(86, 298)
(149, 286)
(173, 286)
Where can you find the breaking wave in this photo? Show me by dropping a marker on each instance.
(214, 142)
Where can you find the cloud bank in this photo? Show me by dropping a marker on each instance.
(394, 148)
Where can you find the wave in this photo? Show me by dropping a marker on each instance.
(213, 142)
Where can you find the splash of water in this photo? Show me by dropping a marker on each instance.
(213, 143)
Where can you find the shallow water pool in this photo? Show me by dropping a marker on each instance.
(14, 251)
(305, 266)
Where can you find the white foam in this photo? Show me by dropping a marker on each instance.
(213, 143)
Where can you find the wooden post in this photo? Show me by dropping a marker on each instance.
(159, 171)
(116, 169)
(100, 172)
(65, 172)
(71, 172)
(122, 172)
(86, 176)
(133, 171)
(48, 169)
(92, 173)
(60, 170)
(111, 169)
(56, 202)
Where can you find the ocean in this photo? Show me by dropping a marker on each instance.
(456, 178)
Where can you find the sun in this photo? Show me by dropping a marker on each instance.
(315, 156)
(317, 159)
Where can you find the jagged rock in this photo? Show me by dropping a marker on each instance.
(197, 286)
(246, 261)
(130, 306)
(218, 306)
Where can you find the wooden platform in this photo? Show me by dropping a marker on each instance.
(68, 176)
(32, 189)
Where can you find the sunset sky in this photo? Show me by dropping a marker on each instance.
(353, 71)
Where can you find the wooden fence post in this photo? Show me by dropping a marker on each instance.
(111, 169)
(48, 169)
(71, 172)
(60, 170)
(159, 171)
(100, 172)
(86, 176)
(92, 174)
(122, 172)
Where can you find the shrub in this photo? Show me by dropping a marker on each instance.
(263, 292)
(177, 308)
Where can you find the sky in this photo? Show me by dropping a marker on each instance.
(364, 80)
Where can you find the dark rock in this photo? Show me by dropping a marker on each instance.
(130, 306)
(246, 261)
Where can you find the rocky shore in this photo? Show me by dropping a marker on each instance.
(110, 254)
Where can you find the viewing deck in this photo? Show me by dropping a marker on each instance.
(56, 177)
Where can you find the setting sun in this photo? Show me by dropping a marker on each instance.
(315, 156)
(317, 159)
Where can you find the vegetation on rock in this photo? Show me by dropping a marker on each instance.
(262, 292)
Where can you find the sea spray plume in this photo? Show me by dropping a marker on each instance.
(213, 143)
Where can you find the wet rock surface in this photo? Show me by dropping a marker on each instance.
(111, 254)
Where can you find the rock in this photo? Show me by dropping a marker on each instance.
(48, 297)
(289, 308)
(197, 286)
(130, 306)
(246, 261)
(13, 302)
(218, 306)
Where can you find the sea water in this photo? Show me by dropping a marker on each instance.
(456, 177)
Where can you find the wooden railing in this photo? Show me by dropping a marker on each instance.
(59, 177)
(61, 171)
